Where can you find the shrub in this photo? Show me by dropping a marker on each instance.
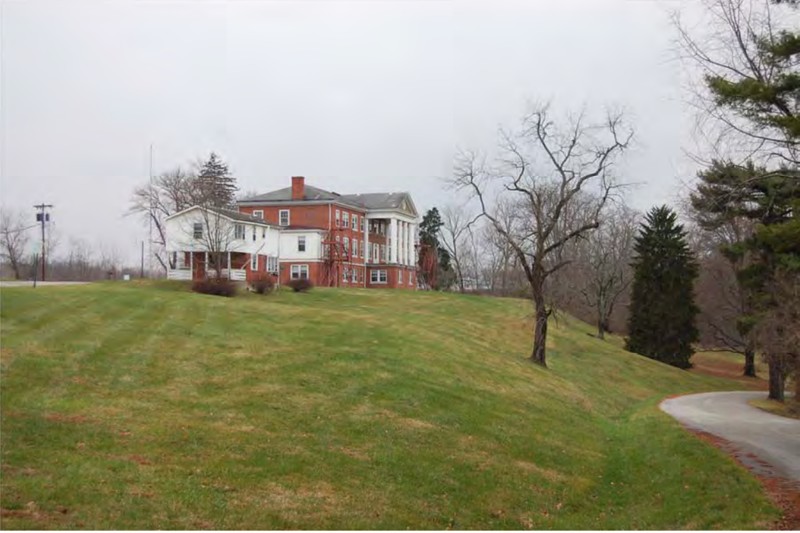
(301, 285)
(263, 284)
(217, 287)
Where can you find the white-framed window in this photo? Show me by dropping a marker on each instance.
(238, 231)
(283, 217)
(354, 220)
(346, 244)
(259, 213)
(399, 276)
(345, 220)
(197, 230)
(376, 250)
(338, 215)
(299, 271)
(271, 264)
(254, 262)
(383, 253)
(345, 272)
(355, 275)
(355, 247)
(301, 243)
(377, 276)
(363, 223)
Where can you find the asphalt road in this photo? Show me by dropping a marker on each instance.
(773, 440)
(40, 283)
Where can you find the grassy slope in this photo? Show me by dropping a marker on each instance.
(138, 407)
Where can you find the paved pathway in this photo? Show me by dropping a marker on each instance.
(773, 440)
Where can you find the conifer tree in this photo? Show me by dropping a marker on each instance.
(662, 311)
(215, 185)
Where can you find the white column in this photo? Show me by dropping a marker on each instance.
(410, 245)
(191, 265)
(400, 230)
(393, 234)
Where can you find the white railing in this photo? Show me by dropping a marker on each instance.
(238, 275)
(182, 275)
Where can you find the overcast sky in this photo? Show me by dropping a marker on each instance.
(356, 96)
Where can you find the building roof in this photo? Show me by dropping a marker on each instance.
(227, 213)
(378, 200)
(285, 195)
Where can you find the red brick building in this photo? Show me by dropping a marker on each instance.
(348, 240)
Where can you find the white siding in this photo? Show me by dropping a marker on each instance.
(179, 233)
(289, 246)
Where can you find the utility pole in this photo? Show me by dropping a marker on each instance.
(43, 216)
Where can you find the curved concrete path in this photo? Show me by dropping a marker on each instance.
(773, 440)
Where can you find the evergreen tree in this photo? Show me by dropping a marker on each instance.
(727, 191)
(662, 311)
(214, 184)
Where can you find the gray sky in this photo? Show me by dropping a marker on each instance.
(356, 96)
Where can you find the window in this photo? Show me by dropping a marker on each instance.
(254, 232)
(377, 276)
(259, 213)
(383, 253)
(254, 262)
(283, 215)
(345, 272)
(345, 220)
(238, 231)
(355, 223)
(410, 278)
(363, 224)
(338, 214)
(299, 271)
(301, 244)
(346, 245)
(198, 230)
(271, 264)
(355, 247)
(376, 250)
(355, 276)
(399, 277)
(174, 260)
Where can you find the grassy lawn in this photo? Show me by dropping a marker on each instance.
(145, 407)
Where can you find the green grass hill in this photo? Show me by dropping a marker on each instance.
(146, 406)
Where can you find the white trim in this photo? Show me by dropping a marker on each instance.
(258, 213)
(288, 217)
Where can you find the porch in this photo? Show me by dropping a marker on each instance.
(235, 266)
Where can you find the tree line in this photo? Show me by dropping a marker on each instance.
(544, 216)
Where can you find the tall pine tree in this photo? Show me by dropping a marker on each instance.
(662, 311)
(215, 185)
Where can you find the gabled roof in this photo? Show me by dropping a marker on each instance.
(382, 200)
(227, 213)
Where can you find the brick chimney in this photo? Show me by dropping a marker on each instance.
(298, 187)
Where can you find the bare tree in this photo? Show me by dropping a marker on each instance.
(454, 237)
(605, 256)
(168, 194)
(543, 170)
(14, 239)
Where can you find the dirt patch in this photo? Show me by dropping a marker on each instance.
(67, 419)
(784, 493)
